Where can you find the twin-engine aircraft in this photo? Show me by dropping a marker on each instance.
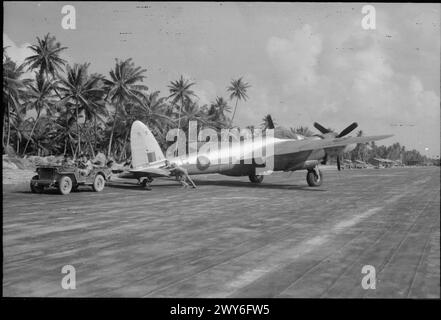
(253, 157)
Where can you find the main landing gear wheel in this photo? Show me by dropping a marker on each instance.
(314, 179)
(65, 185)
(98, 183)
(256, 178)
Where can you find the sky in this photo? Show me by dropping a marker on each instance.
(305, 62)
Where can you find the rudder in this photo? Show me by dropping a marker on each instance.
(145, 148)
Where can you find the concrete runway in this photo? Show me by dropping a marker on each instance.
(229, 238)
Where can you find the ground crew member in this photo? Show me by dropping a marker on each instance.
(181, 174)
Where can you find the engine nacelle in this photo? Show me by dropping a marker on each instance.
(308, 164)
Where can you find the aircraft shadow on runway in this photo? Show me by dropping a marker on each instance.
(221, 183)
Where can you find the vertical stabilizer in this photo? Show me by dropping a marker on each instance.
(145, 148)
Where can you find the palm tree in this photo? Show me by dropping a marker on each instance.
(267, 122)
(180, 91)
(304, 131)
(217, 112)
(13, 90)
(46, 58)
(40, 98)
(97, 110)
(82, 91)
(155, 111)
(124, 86)
(238, 90)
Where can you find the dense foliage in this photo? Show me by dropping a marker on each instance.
(64, 109)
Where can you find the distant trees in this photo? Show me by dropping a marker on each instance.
(238, 90)
(14, 88)
(65, 109)
(124, 87)
(42, 115)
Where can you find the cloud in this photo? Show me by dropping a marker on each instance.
(296, 58)
(206, 91)
(353, 75)
(17, 53)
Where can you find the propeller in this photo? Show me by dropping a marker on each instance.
(320, 128)
(343, 133)
(348, 130)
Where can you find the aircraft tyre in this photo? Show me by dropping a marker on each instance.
(314, 180)
(256, 178)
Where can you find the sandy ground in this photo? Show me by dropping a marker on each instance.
(229, 238)
(17, 176)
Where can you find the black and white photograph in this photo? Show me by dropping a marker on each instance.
(221, 150)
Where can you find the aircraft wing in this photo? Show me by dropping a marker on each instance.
(293, 146)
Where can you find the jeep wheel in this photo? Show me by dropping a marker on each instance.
(65, 185)
(98, 183)
(35, 188)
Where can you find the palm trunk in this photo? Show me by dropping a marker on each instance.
(111, 134)
(124, 146)
(91, 148)
(4, 133)
(9, 126)
(72, 150)
(179, 125)
(234, 112)
(88, 142)
(94, 132)
(78, 129)
(32, 132)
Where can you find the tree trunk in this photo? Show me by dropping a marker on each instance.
(88, 142)
(111, 134)
(18, 144)
(234, 112)
(94, 132)
(78, 129)
(9, 126)
(124, 146)
(91, 148)
(4, 134)
(32, 132)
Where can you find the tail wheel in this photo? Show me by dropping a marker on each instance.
(99, 183)
(146, 183)
(65, 185)
(313, 179)
(35, 188)
(256, 178)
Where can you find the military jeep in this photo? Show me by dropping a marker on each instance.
(67, 178)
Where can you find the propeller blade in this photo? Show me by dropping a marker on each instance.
(320, 128)
(348, 129)
(338, 163)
